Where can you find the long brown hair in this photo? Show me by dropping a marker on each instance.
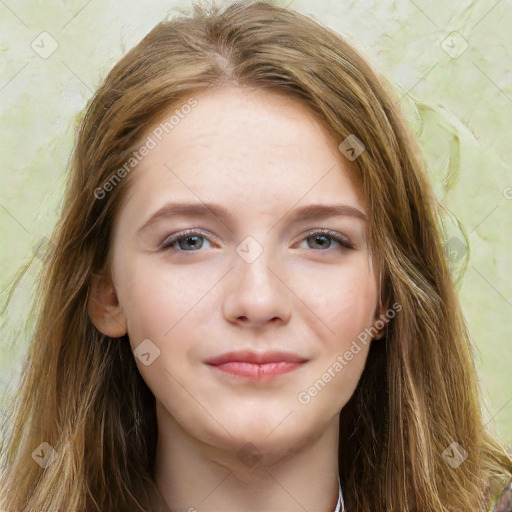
(81, 392)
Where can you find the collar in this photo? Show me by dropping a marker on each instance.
(340, 506)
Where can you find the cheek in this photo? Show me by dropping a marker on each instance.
(154, 301)
(344, 300)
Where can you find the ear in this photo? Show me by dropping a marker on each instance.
(381, 318)
(103, 307)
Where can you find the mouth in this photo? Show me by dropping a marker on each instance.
(257, 365)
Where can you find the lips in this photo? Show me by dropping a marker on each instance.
(247, 356)
(262, 366)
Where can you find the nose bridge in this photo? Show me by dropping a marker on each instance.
(254, 269)
(258, 294)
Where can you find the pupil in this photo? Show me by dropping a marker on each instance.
(319, 239)
(192, 240)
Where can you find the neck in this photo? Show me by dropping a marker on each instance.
(192, 475)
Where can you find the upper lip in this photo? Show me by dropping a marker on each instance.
(249, 356)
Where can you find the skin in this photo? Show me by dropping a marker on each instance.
(261, 155)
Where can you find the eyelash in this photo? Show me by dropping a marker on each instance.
(334, 235)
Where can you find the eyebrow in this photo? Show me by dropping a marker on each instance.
(209, 210)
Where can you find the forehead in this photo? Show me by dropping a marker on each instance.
(247, 145)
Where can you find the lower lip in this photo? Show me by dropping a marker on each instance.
(257, 371)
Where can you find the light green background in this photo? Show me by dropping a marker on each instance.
(459, 106)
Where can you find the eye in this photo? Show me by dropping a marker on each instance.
(321, 238)
(192, 240)
(187, 241)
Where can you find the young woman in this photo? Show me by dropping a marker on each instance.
(247, 305)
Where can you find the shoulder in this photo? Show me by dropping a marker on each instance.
(503, 501)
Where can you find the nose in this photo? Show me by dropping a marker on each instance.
(258, 293)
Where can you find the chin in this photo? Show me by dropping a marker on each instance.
(271, 434)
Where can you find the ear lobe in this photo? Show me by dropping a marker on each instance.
(382, 318)
(104, 309)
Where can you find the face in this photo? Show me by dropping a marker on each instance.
(242, 302)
